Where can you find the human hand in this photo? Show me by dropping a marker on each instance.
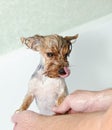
(85, 101)
(78, 101)
(27, 120)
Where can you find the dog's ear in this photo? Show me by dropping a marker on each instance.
(70, 38)
(33, 42)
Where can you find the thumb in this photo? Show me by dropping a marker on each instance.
(63, 108)
(22, 116)
(15, 116)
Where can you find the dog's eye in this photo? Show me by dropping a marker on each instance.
(50, 54)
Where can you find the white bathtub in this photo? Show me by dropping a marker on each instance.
(91, 67)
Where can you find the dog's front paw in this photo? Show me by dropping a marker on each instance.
(19, 110)
(60, 100)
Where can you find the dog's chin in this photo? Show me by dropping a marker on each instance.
(58, 76)
(64, 76)
(51, 74)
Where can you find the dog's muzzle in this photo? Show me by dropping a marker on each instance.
(64, 72)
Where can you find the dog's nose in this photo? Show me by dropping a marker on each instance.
(62, 71)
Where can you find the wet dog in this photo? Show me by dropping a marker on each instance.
(47, 84)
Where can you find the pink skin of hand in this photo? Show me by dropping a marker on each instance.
(85, 101)
(27, 120)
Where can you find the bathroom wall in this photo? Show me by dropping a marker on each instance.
(28, 17)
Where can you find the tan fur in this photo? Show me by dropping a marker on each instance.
(26, 103)
(60, 100)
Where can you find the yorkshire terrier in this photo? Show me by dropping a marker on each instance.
(47, 84)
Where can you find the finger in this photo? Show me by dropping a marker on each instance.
(19, 127)
(15, 118)
(63, 108)
(71, 112)
(15, 125)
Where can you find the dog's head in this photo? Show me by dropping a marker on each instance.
(54, 50)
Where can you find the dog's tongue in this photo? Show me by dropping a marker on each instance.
(67, 71)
